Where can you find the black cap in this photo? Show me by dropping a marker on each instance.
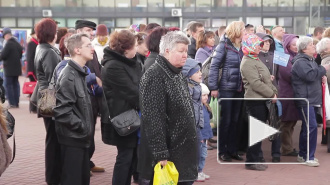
(85, 23)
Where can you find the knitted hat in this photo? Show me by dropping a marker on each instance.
(6, 31)
(205, 89)
(102, 30)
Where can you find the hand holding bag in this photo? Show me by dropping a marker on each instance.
(166, 175)
(28, 87)
(47, 100)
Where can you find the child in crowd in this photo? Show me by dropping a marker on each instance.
(192, 71)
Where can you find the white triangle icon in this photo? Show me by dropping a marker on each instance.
(259, 131)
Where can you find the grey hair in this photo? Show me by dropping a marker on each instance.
(74, 41)
(170, 40)
(303, 42)
(322, 46)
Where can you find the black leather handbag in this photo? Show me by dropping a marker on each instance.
(126, 122)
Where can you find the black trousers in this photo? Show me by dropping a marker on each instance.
(123, 169)
(257, 109)
(52, 153)
(96, 105)
(75, 166)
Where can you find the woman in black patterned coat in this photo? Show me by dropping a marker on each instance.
(168, 131)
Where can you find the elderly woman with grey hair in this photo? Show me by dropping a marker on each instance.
(168, 131)
(306, 83)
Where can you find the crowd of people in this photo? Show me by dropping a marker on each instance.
(156, 72)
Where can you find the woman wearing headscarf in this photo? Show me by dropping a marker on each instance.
(228, 54)
(306, 82)
(290, 113)
(258, 84)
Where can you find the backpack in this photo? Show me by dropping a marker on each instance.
(207, 65)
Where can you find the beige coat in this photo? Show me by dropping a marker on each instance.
(326, 60)
(5, 151)
(256, 79)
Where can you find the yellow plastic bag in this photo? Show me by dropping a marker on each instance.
(168, 175)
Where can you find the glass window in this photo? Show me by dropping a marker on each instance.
(300, 25)
(24, 3)
(253, 5)
(301, 5)
(57, 3)
(188, 5)
(110, 23)
(36, 20)
(139, 5)
(269, 5)
(139, 21)
(285, 21)
(216, 23)
(41, 3)
(171, 3)
(72, 22)
(7, 3)
(231, 19)
(171, 22)
(25, 22)
(155, 5)
(89, 3)
(61, 21)
(269, 22)
(8, 22)
(107, 3)
(234, 5)
(73, 3)
(255, 21)
(203, 5)
(219, 5)
(155, 20)
(123, 5)
(123, 22)
(285, 5)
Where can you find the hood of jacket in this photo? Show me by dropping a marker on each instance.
(110, 54)
(301, 56)
(287, 38)
(190, 67)
(263, 36)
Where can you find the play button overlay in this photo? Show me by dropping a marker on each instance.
(259, 131)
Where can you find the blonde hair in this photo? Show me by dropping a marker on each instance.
(326, 33)
(234, 30)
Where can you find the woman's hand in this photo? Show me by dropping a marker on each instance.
(163, 163)
(324, 79)
(215, 93)
(274, 99)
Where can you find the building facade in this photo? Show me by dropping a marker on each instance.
(296, 16)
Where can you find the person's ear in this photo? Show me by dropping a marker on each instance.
(77, 51)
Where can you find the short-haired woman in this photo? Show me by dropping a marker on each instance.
(121, 76)
(228, 56)
(258, 84)
(168, 130)
(46, 59)
(306, 83)
(204, 45)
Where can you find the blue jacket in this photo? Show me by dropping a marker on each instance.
(306, 80)
(230, 58)
(207, 130)
(278, 46)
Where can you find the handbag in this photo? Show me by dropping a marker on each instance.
(47, 100)
(126, 122)
(28, 87)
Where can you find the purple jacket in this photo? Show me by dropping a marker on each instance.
(202, 54)
(290, 112)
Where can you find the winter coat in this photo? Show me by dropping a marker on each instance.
(11, 56)
(192, 48)
(46, 59)
(279, 46)
(120, 80)
(30, 54)
(306, 80)
(267, 58)
(99, 48)
(203, 53)
(326, 60)
(149, 61)
(207, 130)
(256, 79)
(290, 111)
(5, 151)
(228, 56)
(73, 110)
(168, 130)
(140, 59)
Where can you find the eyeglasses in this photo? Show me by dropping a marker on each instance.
(88, 46)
